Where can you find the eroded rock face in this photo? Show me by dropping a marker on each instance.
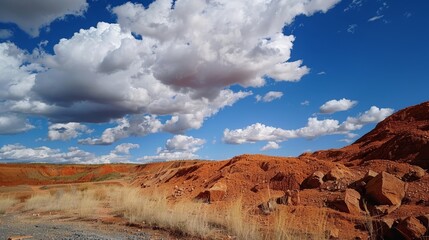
(411, 228)
(315, 180)
(386, 189)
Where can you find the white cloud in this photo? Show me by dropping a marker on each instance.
(373, 115)
(5, 33)
(178, 147)
(305, 103)
(270, 146)
(125, 148)
(269, 97)
(195, 112)
(32, 15)
(321, 73)
(355, 4)
(334, 105)
(17, 77)
(136, 125)
(352, 28)
(217, 56)
(20, 153)
(66, 131)
(314, 128)
(375, 18)
(105, 73)
(13, 124)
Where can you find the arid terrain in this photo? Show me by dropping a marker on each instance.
(375, 188)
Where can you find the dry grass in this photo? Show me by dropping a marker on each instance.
(82, 203)
(184, 217)
(238, 222)
(298, 225)
(5, 203)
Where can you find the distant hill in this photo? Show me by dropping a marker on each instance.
(402, 137)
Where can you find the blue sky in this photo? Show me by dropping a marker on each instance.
(100, 82)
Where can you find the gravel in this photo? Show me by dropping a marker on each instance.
(45, 229)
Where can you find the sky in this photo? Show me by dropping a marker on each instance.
(96, 81)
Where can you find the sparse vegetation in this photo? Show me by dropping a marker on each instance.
(184, 217)
(5, 203)
(82, 203)
(290, 226)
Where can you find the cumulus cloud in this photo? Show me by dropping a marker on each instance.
(269, 96)
(17, 75)
(178, 147)
(333, 106)
(198, 110)
(5, 33)
(136, 125)
(218, 56)
(315, 128)
(270, 146)
(20, 153)
(105, 73)
(373, 115)
(31, 16)
(125, 148)
(13, 124)
(66, 131)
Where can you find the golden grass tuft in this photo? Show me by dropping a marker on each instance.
(184, 218)
(82, 203)
(6, 202)
(299, 224)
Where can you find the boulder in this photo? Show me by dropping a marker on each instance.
(215, 193)
(315, 180)
(334, 175)
(386, 189)
(349, 202)
(411, 228)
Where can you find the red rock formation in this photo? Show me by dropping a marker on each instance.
(403, 137)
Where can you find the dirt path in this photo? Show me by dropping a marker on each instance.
(48, 227)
